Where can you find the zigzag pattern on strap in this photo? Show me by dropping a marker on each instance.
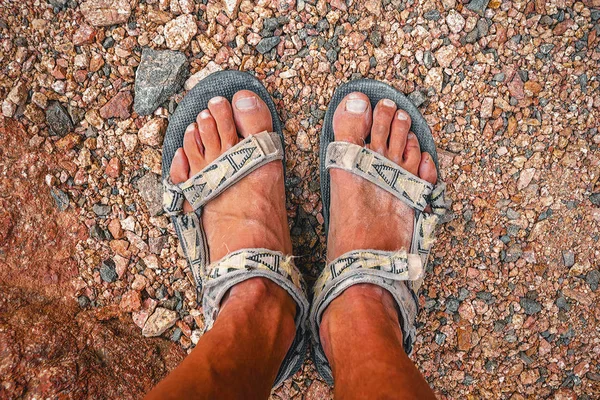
(396, 265)
(230, 167)
(255, 259)
(386, 174)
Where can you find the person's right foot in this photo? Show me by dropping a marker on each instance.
(362, 215)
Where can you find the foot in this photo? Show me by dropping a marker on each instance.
(364, 216)
(361, 211)
(251, 213)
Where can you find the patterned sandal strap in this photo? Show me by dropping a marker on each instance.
(251, 263)
(384, 173)
(237, 162)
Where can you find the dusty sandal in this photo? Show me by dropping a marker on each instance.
(216, 278)
(400, 272)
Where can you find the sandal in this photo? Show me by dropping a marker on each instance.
(399, 272)
(214, 279)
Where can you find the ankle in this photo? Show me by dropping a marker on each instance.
(257, 294)
(363, 309)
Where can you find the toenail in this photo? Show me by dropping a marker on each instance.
(388, 103)
(246, 103)
(216, 100)
(411, 135)
(205, 114)
(356, 106)
(402, 116)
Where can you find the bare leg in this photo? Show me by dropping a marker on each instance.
(360, 331)
(241, 355)
(363, 343)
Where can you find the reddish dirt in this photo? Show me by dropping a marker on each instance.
(49, 346)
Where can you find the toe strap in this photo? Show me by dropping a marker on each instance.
(384, 173)
(237, 162)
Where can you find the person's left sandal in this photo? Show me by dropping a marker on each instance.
(214, 280)
(399, 272)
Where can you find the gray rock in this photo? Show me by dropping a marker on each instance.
(375, 38)
(478, 6)
(417, 97)
(595, 199)
(83, 301)
(161, 73)
(332, 55)
(58, 119)
(432, 15)
(568, 258)
(513, 253)
(546, 48)
(60, 4)
(592, 278)
(482, 27)
(428, 59)
(512, 214)
(101, 210)
(108, 271)
(150, 189)
(499, 77)
(267, 44)
(472, 36)
(530, 306)
(60, 198)
(96, 232)
(452, 305)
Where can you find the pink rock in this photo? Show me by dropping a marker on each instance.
(131, 301)
(153, 131)
(339, 4)
(118, 106)
(84, 35)
(446, 55)
(106, 12)
(113, 168)
(515, 87)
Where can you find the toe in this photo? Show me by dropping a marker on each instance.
(382, 120)
(180, 171)
(398, 136)
(193, 148)
(250, 113)
(427, 170)
(221, 111)
(352, 119)
(412, 154)
(209, 135)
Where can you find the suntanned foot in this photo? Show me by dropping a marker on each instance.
(362, 215)
(251, 213)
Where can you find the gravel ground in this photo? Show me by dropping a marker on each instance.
(510, 89)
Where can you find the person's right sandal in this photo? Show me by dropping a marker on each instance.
(399, 272)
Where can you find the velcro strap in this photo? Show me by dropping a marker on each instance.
(384, 173)
(231, 166)
(255, 259)
(395, 265)
(172, 198)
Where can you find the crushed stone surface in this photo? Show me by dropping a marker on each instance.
(509, 88)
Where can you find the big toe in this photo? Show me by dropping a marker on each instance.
(352, 119)
(250, 113)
